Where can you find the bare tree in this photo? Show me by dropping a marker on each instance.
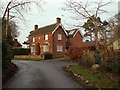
(13, 9)
(17, 8)
(87, 11)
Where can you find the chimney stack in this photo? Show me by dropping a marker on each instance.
(58, 20)
(35, 27)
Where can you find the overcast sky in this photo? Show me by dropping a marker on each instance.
(51, 10)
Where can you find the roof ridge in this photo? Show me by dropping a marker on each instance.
(45, 29)
(73, 29)
(47, 25)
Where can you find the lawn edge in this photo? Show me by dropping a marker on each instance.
(79, 79)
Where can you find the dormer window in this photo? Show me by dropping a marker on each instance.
(46, 37)
(33, 39)
(59, 36)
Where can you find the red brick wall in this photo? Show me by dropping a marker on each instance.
(52, 40)
(76, 41)
(39, 40)
(59, 42)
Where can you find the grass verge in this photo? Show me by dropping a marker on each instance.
(68, 59)
(90, 78)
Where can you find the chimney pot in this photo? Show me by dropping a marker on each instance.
(35, 27)
(58, 20)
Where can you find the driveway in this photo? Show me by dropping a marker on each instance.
(42, 74)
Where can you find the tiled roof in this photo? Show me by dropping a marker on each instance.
(26, 42)
(44, 30)
(16, 43)
(72, 32)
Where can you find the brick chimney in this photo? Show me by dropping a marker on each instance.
(35, 27)
(58, 20)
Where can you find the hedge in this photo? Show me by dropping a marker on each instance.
(21, 51)
(76, 52)
(47, 55)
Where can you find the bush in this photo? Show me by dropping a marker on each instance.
(6, 53)
(74, 53)
(47, 55)
(21, 51)
(110, 64)
(97, 57)
(87, 58)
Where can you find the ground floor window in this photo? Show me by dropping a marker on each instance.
(33, 48)
(59, 48)
(45, 48)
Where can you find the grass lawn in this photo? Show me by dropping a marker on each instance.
(97, 79)
(31, 59)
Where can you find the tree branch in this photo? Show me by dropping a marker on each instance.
(20, 4)
(6, 9)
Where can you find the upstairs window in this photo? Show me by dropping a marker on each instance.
(59, 36)
(59, 48)
(33, 39)
(46, 37)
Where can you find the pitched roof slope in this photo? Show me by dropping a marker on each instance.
(72, 32)
(16, 43)
(44, 30)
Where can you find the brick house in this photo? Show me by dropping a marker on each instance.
(54, 38)
(74, 38)
(50, 38)
(16, 43)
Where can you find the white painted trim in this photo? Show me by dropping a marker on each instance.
(62, 28)
(76, 33)
(47, 43)
(33, 44)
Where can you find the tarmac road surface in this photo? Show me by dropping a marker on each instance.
(41, 74)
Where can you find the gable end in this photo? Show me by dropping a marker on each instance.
(76, 33)
(62, 28)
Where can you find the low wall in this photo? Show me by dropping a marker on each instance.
(27, 56)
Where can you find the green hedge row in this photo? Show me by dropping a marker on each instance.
(21, 51)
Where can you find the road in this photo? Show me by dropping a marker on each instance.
(41, 74)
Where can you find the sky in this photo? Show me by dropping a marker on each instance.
(50, 10)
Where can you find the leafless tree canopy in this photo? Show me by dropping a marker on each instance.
(86, 10)
(17, 8)
(91, 12)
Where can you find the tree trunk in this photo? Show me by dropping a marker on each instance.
(96, 42)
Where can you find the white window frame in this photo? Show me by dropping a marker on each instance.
(59, 48)
(59, 36)
(33, 39)
(33, 48)
(45, 48)
(46, 36)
